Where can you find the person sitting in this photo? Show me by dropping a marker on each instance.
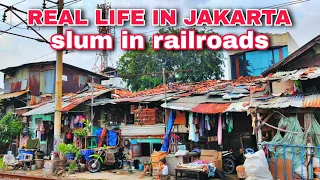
(163, 170)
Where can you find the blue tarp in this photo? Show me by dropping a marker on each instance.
(170, 123)
(86, 153)
(98, 134)
(112, 138)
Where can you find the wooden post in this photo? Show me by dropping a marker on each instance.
(307, 123)
(259, 135)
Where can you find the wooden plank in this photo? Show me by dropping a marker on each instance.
(264, 121)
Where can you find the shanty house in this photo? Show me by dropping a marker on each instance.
(33, 83)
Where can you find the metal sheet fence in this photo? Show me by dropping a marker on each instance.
(304, 159)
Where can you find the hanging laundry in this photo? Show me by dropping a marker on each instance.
(223, 123)
(38, 135)
(192, 133)
(41, 126)
(201, 125)
(72, 123)
(207, 123)
(76, 120)
(229, 120)
(219, 130)
(198, 121)
(186, 115)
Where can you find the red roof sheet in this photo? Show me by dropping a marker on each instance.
(312, 101)
(211, 108)
(191, 88)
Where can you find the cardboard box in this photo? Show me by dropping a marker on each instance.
(212, 156)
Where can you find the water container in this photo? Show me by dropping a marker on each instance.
(140, 167)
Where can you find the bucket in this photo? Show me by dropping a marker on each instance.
(39, 163)
(140, 167)
(69, 156)
(22, 151)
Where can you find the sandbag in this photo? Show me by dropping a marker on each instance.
(256, 166)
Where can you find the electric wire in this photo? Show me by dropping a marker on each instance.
(13, 4)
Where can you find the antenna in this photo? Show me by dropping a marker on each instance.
(103, 57)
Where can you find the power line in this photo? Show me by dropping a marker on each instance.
(16, 26)
(287, 4)
(13, 4)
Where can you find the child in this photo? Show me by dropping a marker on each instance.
(163, 170)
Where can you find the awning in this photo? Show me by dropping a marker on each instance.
(211, 108)
(180, 106)
(13, 95)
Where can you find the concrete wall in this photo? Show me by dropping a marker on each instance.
(131, 130)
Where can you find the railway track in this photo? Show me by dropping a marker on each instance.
(7, 176)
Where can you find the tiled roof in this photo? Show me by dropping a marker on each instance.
(211, 108)
(190, 88)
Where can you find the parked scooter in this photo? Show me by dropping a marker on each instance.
(103, 158)
(228, 162)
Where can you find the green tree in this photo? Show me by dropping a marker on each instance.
(10, 126)
(205, 64)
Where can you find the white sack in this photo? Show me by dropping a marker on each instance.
(256, 166)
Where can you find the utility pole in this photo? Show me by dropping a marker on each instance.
(92, 116)
(165, 93)
(58, 88)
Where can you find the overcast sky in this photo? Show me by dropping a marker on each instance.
(16, 51)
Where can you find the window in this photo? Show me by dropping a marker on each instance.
(145, 149)
(64, 78)
(255, 62)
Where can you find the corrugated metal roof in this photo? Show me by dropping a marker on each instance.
(211, 108)
(68, 103)
(238, 107)
(282, 74)
(312, 101)
(304, 74)
(180, 106)
(279, 102)
(12, 95)
(233, 96)
(160, 97)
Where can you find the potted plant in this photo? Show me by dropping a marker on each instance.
(72, 168)
(88, 127)
(80, 133)
(69, 151)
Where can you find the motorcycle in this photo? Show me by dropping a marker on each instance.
(103, 158)
(228, 162)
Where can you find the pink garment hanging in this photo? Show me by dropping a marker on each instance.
(76, 120)
(220, 130)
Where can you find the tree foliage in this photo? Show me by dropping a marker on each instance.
(205, 64)
(10, 126)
